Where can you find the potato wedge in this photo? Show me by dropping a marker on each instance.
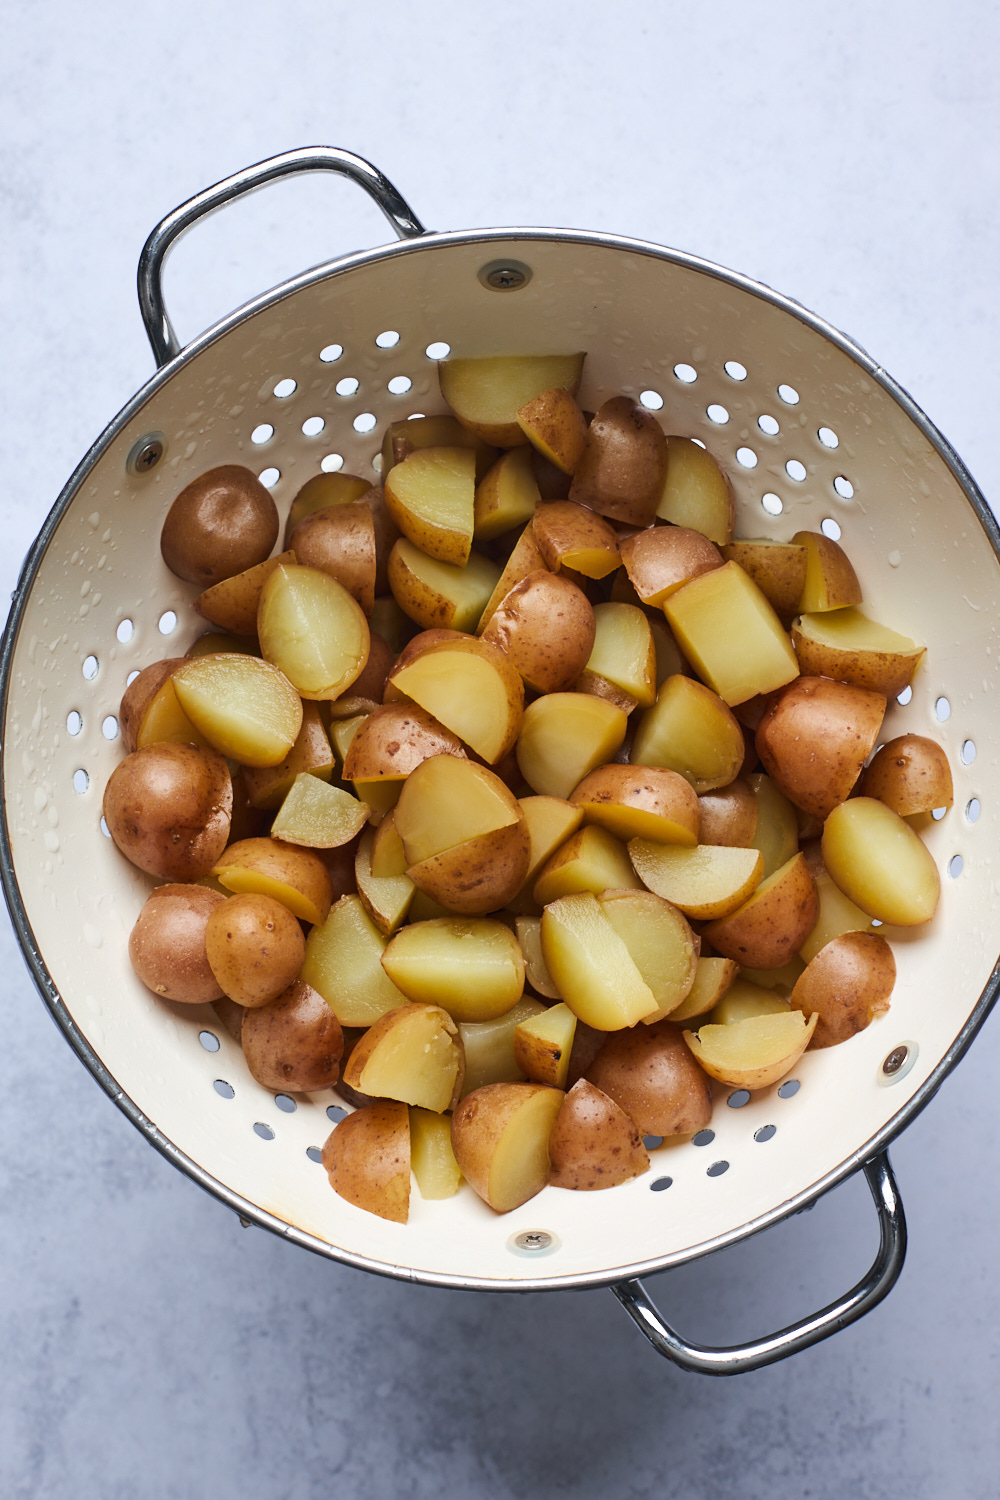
(506, 496)
(696, 493)
(393, 740)
(472, 967)
(431, 1156)
(480, 875)
(563, 737)
(437, 593)
(543, 1044)
(413, 1054)
(773, 923)
(846, 645)
(623, 466)
(446, 802)
(593, 1143)
(500, 1134)
(246, 708)
(729, 815)
(545, 627)
(846, 985)
(320, 492)
(690, 730)
(232, 603)
(150, 710)
(712, 979)
(712, 611)
(777, 833)
(837, 914)
(486, 394)
(660, 944)
(755, 1053)
(489, 1046)
(318, 816)
(340, 541)
(313, 630)
(662, 559)
(268, 786)
(431, 498)
(640, 801)
(388, 894)
(550, 822)
(623, 655)
(367, 1159)
(536, 974)
(706, 882)
(831, 582)
(472, 689)
(555, 426)
(524, 559)
(591, 860)
(571, 536)
(343, 963)
(777, 568)
(591, 966)
(744, 999)
(296, 877)
(401, 438)
(651, 1075)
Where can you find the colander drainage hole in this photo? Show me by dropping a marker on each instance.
(972, 810)
(365, 421)
(955, 866)
(937, 813)
(789, 1088)
(131, 678)
(125, 631)
(844, 487)
(686, 373)
(223, 1089)
(716, 413)
(660, 1184)
(285, 1103)
(109, 727)
(831, 528)
(335, 1113)
(652, 1141)
(399, 385)
(332, 463)
(772, 503)
(828, 437)
(438, 350)
(331, 353)
(91, 667)
(789, 395)
(968, 752)
(262, 433)
(717, 1168)
(269, 477)
(348, 386)
(74, 723)
(735, 370)
(209, 1041)
(387, 340)
(285, 388)
(738, 1099)
(167, 622)
(703, 1138)
(651, 400)
(81, 781)
(105, 829)
(768, 424)
(765, 1133)
(796, 470)
(314, 1153)
(312, 426)
(747, 457)
(942, 710)
(264, 1131)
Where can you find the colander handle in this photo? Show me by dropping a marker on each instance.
(861, 1299)
(308, 159)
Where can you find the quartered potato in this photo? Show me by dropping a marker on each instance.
(297, 878)
(367, 1159)
(471, 966)
(846, 985)
(313, 630)
(489, 1046)
(773, 923)
(506, 496)
(432, 1158)
(543, 1045)
(814, 739)
(662, 559)
(706, 882)
(695, 492)
(660, 944)
(880, 863)
(710, 613)
(753, 1053)
(413, 1054)
(777, 568)
(500, 1134)
(340, 541)
(555, 426)
(640, 801)
(472, 688)
(622, 661)
(591, 860)
(232, 603)
(436, 593)
(846, 645)
(245, 707)
(563, 737)
(344, 963)
(571, 536)
(524, 559)
(386, 893)
(150, 710)
(712, 979)
(320, 492)
(431, 498)
(268, 786)
(402, 438)
(487, 394)
(690, 730)
(545, 627)
(318, 816)
(594, 1143)
(831, 582)
(591, 966)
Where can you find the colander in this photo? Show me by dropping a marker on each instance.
(814, 434)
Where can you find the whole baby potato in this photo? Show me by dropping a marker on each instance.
(255, 948)
(222, 523)
(168, 808)
(295, 1042)
(167, 945)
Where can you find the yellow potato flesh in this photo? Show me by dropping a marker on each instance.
(388, 858)
(754, 1053)
(590, 965)
(550, 822)
(770, 979)
(623, 650)
(712, 613)
(489, 1046)
(564, 736)
(246, 708)
(387, 898)
(433, 432)
(478, 876)
(435, 593)
(640, 801)
(268, 786)
(323, 490)
(660, 944)
(691, 731)
(472, 967)
(745, 999)
(525, 558)
(543, 1044)
(303, 897)
(344, 964)
(880, 863)
(469, 695)
(486, 394)
(416, 1059)
(431, 496)
(342, 732)
(504, 1151)
(844, 644)
(446, 802)
(777, 831)
(313, 630)
(432, 1159)
(831, 582)
(709, 881)
(711, 981)
(837, 914)
(529, 935)
(317, 815)
(695, 492)
(164, 719)
(592, 860)
(507, 496)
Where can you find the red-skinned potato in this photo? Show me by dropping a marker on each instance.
(593, 1143)
(222, 523)
(167, 945)
(367, 1159)
(168, 808)
(294, 1043)
(650, 1074)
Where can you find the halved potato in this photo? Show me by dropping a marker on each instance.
(293, 1043)
(246, 708)
(880, 863)
(773, 923)
(711, 981)
(696, 492)
(431, 1156)
(536, 974)
(168, 809)
(545, 626)
(232, 603)
(563, 737)
(150, 710)
(591, 966)
(501, 1134)
(837, 914)
(846, 645)
(729, 815)
(691, 731)
(472, 688)
(296, 877)
(662, 559)
(777, 832)
(755, 1053)
(814, 739)
(846, 986)
(401, 438)
(831, 582)
(571, 536)
(711, 612)
(660, 944)
(321, 491)
(486, 394)
(622, 468)
(651, 1075)
(431, 498)
(473, 967)
(480, 875)
(777, 568)
(344, 963)
(524, 559)
(623, 654)
(543, 1044)
(438, 593)
(593, 1143)
(313, 630)
(317, 815)
(709, 881)
(555, 426)
(489, 1046)
(910, 774)
(393, 740)
(506, 496)
(413, 1054)
(367, 1159)
(640, 801)
(340, 541)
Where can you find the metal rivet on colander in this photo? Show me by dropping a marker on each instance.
(146, 453)
(505, 275)
(532, 1242)
(897, 1063)
(895, 1060)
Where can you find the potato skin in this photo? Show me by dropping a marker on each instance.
(545, 626)
(367, 1159)
(847, 985)
(167, 943)
(222, 523)
(651, 1075)
(773, 923)
(814, 738)
(140, 694)
(910, 774)
(480, 875)
(593, 1143)
(168, 808)
(295, 1042)
(621, 471)
(255, 948)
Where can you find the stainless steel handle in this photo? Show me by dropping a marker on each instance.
(861, 1299)
(308, 159)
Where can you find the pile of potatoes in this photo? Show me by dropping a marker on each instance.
(514, 799)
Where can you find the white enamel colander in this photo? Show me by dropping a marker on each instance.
(814, 434)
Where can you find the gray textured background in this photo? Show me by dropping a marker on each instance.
(150, 1346)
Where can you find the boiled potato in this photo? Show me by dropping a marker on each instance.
(168, 808)
(500, 1134)
(563, 737)
(413, 1054)
(392, 741)
(472, 967)
(844, 644)
(319, 493)
(367, 1159)
(489, 1046)
(318, 816)
(690, 730)
(708, 881)
(477, 876)
(472, 688)
(340, 541)
(545, 627)
(221, 523)
(910, 774)
(431, 498)
(232, 603)
(344, 963)
(550, 821)
(651, 1075)
(846, 985)
(777, 568)
(660, 944)
(591, 860)
(446, 802)
(150, 712)
(622, 468)
(571, 536)
(386, 897)
(640, 801)
(524, 559)
(536, 974)
(294, 1042)
(245, 707)
(662, 559)
(711, 612)
(487, 394)
(436, 593)
(880, 863)
(712, 979)
(254, 947)
(754, 1053)
(593, 1143)
(837, 914)
(591, 966)
(431, 1156)
(312, 629)
(543, 1045)
(744, 999)
(167, 945)
(506, 496)
(776, 834)
(729, 815)
(773, 923)
(555, 426)
(268, 786)
(297, 878)
(401, 438)
(622, 658)
(814, 739)
(831, 582)
(695, 492)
